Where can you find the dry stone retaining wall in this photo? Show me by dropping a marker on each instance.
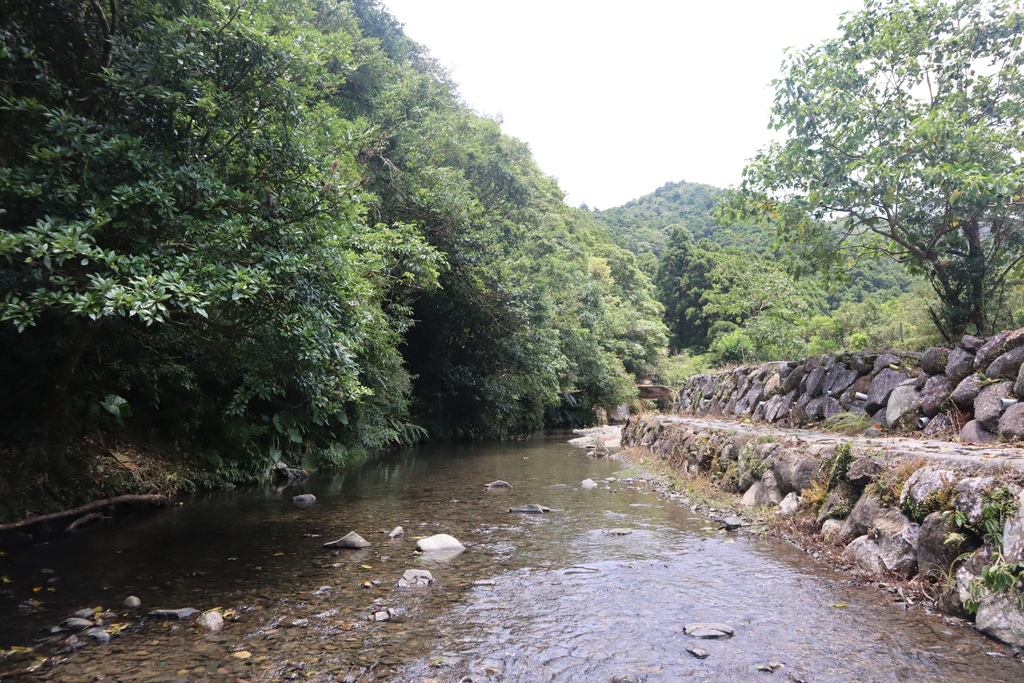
(897, 514)
(978, 384)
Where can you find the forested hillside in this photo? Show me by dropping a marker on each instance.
(727, 291)
(273, 231)
(644, 225)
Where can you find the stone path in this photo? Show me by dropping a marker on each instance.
(984, 457)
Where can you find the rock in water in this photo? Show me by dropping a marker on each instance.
(733, 523)
(588, 484)
(350, 541)
(530, 509)
(415, 577)
(75, 624)
(397, 532)
(439, 542)
(304, 499)
(132, 602)
(709, 630)
(499, 484)
(212, 621)
(99, 635)
(183, 613)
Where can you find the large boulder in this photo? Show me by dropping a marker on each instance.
(933, 361)
(935, 554)
(838, 504)
(902, 407)
(936, 390)
(891, 544)
(795, 470)
(862, 517)
(988, 406)
(975, 432)
(940, 425)
(439, 542)
(763, 493)
(966, 391)
(999, 616)
(1011, 423)
(959, 365)
(838, 379)
(863, 470)
(1013, 534)
(882, 386)
(996, 346)
(923, 485)
(970, 494)
(1006, 366)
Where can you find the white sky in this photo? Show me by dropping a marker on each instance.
(616, 99)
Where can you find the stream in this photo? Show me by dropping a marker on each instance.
(564, 596)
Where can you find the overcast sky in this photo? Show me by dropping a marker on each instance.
(616, 99)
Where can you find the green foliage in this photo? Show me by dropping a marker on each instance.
(278, 233)
(647, 224)
(904, 138)
(998, 576)
(835, 466)
(851, 424)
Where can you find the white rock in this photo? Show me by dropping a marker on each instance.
(588, 484)
(830, 528)
(439, 542)
(397, 532)
(351, 541)
(212, 621)
(789, 505)
(415, 577)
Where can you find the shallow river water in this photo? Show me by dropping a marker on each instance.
(534, 598)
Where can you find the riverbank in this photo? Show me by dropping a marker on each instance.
(919, 520)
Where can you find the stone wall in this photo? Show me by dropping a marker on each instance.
(903, 515)
(970, 390)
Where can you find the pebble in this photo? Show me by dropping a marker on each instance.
(588, 484)
(499, 484)
(699, 653)
(770, 667)
(85, 614)
(618, 532)
(304, 499)
(132, 602)
(397, 532)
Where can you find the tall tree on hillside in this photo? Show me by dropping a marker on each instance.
(682, 281)
(905, 138)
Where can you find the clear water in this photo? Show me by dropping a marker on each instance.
(534, 598)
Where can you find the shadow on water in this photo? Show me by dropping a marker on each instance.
(565, 596)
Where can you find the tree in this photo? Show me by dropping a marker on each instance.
(682, 279)
(905, 136)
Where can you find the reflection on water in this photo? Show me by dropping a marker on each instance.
(551, 597)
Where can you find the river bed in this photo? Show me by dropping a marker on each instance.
(563, 596)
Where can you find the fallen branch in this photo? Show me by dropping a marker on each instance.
(117, 500)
